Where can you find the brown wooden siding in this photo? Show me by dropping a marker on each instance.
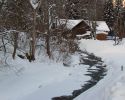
(101, 36)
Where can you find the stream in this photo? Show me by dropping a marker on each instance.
(97, 70)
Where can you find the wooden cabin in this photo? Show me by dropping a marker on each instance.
(81, 27)
(73, 27)
(102, 30)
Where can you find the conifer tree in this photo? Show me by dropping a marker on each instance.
(109, 14)
(119, 12)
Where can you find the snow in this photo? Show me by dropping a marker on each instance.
(45, 79)
(42, 79)
(112, 87)
(87, 33)
(34, 3)
(101, 32)
(102, 26)
(70, 24)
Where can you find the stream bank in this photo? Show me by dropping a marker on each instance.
(97, 70)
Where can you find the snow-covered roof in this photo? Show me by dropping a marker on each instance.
(102, 26)
(101, 32)
(70, 24)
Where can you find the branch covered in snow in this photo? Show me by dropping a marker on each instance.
(34, 3)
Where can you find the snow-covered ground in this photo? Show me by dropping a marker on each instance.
(40, 80)
(44, 79)
(112, 87)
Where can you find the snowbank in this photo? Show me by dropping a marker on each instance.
(40, 80)
(112, 87)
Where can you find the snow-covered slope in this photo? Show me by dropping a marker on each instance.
(112, 87)
(40, 80)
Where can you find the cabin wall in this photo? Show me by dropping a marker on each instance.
(80, 28)
(101, 36)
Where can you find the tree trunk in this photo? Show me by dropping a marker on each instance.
(4, 45)
(1, 5)
(48, 45)
(33, 40)
(15, 44)
(47, 21)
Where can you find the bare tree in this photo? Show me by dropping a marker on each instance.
(34, 4)
(15, 17)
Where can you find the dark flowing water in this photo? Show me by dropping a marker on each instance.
(97, 70)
